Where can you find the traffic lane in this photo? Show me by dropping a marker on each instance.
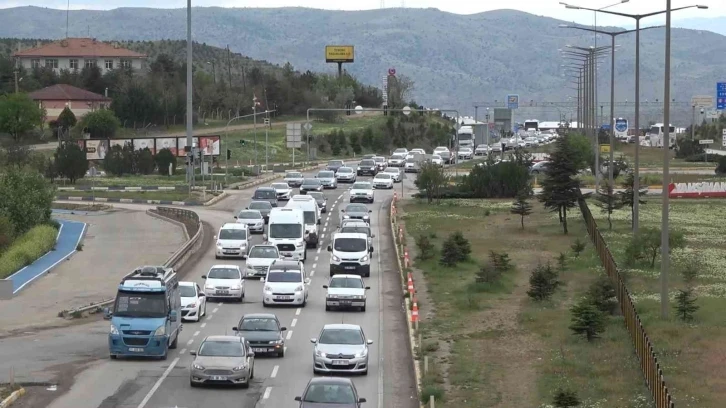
(282, 390)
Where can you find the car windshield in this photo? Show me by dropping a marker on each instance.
(345, 170)
(398, 156)
(279, 186)
(317, 195)
(311, 182)
(294, 175)
(284, 276)
(341, 336)
(309, 217)
(258, 324)
(357, 230)
(362, 186)
(233, 234)
(329, 394)
(335, 163)
(379, 159)
(356, 208)
(260, 205)
(265, 194)
(264, 252)
(222, 349)
(187, 291)
(350, 245)
(326, 174)
(367, 163)
(383, 176)
(353, 283)
(249, 215)
(436, 157)
(285, 230)
(140, 304)
(223, 273)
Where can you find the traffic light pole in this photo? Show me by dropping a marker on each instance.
(226, 136)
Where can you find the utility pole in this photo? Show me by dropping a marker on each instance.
(693, 122)
(665, 234)
(229, 67)
(17, 81)
(190, 108)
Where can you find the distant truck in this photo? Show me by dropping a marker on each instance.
(465, 136)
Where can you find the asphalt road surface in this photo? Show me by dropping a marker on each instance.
(104, 383)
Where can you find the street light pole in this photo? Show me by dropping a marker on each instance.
(190, 108)
(664, 238)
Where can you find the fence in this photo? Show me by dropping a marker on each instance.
(182, 214)
(643, 347)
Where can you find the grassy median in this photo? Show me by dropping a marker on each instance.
(489, 344)
(179, 195)
(27, 248)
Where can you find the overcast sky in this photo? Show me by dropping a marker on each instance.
(550, 8)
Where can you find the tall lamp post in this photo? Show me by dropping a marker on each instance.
(664, 237)
(190, 108)
(637, 18)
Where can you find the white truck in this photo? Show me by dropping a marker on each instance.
(287, 232)
(311, 217)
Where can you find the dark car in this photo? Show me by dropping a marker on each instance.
(357, 212)
(320, 199)
(264, 207)
(334, 165)
(330, 392)
(263, 332)
(268, 194)
(368, 156)
(310, 184)
(447, 157)
(367, 167)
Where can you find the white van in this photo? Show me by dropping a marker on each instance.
(232, 241)
(287, 232)
(350, 254)
(311, 216)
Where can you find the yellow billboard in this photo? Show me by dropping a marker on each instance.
(338, 53)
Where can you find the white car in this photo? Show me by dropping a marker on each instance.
(232, 241)
(346, 291)
(361, 191)
(400, 150)
(286, 284)
(383, 180)
(397, 159)
(465, 153)
(193, 301)
(395, 172)
(283, 191)
(259, 260)
(380, 162)
(225, 281)
(418, 151)
(253, 219)
(294, 178)
(436, 159)
(440, 150)
(345, 175)
(482, 150)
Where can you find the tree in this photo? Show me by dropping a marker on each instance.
(143, 161)
(66, 120)
(70, 161)
(455, 249)
(647, 242)
(400, 88)
(354, 142)
(101, 123)
(19, 114)
(118, 160)
(164, 158)
(581, 149)
(627, 197)
(521, 207)
(608, 201)
(431, 179)
(587, 320)
(603, 295)
(26, 198)
(543, 282)
(565, 399)
(686, 305)
(425, 247)
(560, 188)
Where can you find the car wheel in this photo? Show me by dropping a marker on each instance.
(204, 311)
(216, 256)
(264, 304)
(247, 384)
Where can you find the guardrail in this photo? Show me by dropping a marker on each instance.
(644, 349)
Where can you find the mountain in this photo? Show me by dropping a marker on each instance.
(715, 24)
(454, 60)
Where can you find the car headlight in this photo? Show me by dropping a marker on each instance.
(239, 368)
(318, 353)
(299, 245)
(299, 288)
(191, 305)
(328, 296)
(209, 287)
(281, 341)
(336, 259)
(346, 217)
(113, 330)
(362, 353)
(197, 366)
(364, 259)
(365, 217)
(236, 287)
(219, 245)
(160, 331)
(268, 289)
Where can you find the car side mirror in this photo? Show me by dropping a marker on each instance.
(313, 341)
(298, 398)
(342, 210)
(361, 400)
(368, 287)
(330, 248)
(204, 276)
(235, 217)
(202, 294)
(193, 352)
(325, 286)
(283, 328)
(369, 341)
(373, 235)
(370, 211)
(172, 316)
(107, 313)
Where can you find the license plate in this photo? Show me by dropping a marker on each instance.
(136, 349)
(283, 297)
(219, 378)
(261, 350)
(340, 362)
(350, 267)
(230, 252)
(222, 292)
(344, 302)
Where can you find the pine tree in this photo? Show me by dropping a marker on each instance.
(543, 282)
(686, 304)
(560, 188)
(608, 201)
(587, 320)
(450, 253)
(627, 197)
(521, 207)
(565, 399)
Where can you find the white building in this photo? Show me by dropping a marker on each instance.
(77, 53)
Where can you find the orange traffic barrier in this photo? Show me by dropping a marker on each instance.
(395, 196)
(410, 285)
(400, 234)
(405, 258)
(414, 311)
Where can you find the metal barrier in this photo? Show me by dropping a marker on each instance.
(643, 347)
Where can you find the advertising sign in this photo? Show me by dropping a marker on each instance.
(697, 190)
(182, 143)
(120, 142)
(209, 145)
(702, 101)
(141, 144)
(167, 143)
(721, 95)
(512, 101)
(339, 53)
(96, 149)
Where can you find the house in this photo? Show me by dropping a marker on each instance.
(56, 97)
(77, 53)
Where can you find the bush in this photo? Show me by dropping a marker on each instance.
(565, 399)
(7, 232)
(425, 247)
(577, 247)
(645, 245)
(27, 248)
(163, 159)
(456, 249)
(500, 261)
(603, 295)
(462, 243)
(721, 167)
(25, 198)
(587, 320)
(143, 161)
(500, 180)
(488, 273)
(543, 282)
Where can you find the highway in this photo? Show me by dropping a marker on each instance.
(156, 384)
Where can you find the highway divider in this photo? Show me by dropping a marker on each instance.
(263, 180)
(10, 399)
(193, 231)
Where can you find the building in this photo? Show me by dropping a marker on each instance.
(56, 97)
(77, 53)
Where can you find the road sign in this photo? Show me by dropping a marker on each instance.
(294, 135)
(267, 121)
(702, 101)
(705, 141)
(604, 148)
(358, 110)
(308, 126)
(406, 110)
(392, 71)
(512, 101)
(712, 114)
(721, 95)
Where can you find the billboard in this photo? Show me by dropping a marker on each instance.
(167, 143)
(209, 145)
(96, 149)
(182, 143)
(120, 142)
(141, 144)
(339, 53)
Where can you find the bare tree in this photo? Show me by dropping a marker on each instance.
(399, 91)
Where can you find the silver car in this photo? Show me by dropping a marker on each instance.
(222, 360)
(345, 175)
(254, 220)
(294, 178)
(327, 179)
(395, 172)
(341, 348)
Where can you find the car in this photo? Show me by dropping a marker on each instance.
(321, 200)
(440, 149)
(225, 281)
(383, 180)
(400, 150)
(327, 179)
(346, 175)
(436, 159)
(286, 283)
(397, 159)
(395, 173)
(287, 233)
(259, 260)
(333, 392)
(345, 291)
(293, 178)
(334, 165)
(381, 162)
(350, 253)
(222, 360)
(341, 348)
(310, 184)
(411, 166)
(263, 332)
(418, 151)
(362, 191)
(253, 219)
(447, 157)
(482, 150)
(232, 241)
(367, 167)
(266, 194)
(465, 153)
(283, 191)
(358, 226)
(356, 212)
(539, 167)
(264, 207)
(496, 147)
(193, 301)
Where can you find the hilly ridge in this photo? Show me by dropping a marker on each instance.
(454, 60)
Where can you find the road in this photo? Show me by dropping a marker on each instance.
(101, 382)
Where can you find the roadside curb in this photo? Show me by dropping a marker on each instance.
(128, 188)
(128, 201)
(216, 199)
(12, 398)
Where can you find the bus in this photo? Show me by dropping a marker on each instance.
(531, 124)
(621, 129)
(655, 135)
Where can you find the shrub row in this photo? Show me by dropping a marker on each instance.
(27, 248)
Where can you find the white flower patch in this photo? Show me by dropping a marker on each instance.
(716, 290)
(492, 205)
(713, 260)
(647, 273)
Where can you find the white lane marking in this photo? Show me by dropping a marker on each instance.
(316, 259)
(183, 351)
(312, 272)
(285, 349)
(289, 335)
(325, 229)
(158, 383)
(219, 304)
(298, 311)
(210, 317)
(189, 343)
(294, 322)
(274, 371)
(320, 249)
(268, 391)
(215, 310)
(203, 325)
(196, 333)
(315, 265)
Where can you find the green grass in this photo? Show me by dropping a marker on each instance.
(27, 248)
(496, 347)
(653, 157)
(691, 353)
(154, 180)
(140, 195)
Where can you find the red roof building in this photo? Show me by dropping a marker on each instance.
(76, 53)
(56, 97)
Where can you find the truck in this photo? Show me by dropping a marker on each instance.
(465, 136)
(145, 318)
(287, 233)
